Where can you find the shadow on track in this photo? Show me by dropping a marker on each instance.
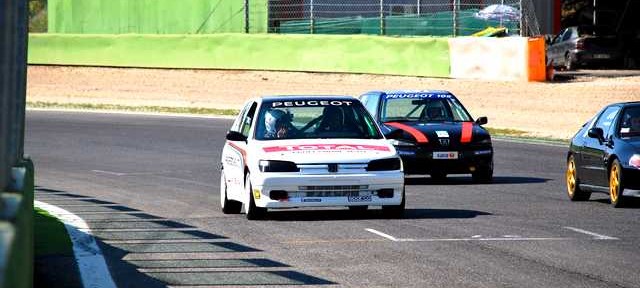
(143, 250)
(341, 215)
(461, 180)
(632, 202)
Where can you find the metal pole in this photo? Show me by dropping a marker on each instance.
(312, 16)
(382, 28)
(521, 20)
(419, 10)
(246, 16)
(456, 3)
(502, 5)
(595, 13)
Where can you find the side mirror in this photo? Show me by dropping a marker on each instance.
(596, 133)
(236, 136)
(482, 120)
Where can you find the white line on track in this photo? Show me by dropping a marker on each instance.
(382, 234)
(91, 263)
(596, 235)
(109, 172)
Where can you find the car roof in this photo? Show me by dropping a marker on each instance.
(410, 92)
(306, 97)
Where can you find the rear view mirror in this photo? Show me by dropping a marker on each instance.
(482, 120)
(596, 133)
(235, 136)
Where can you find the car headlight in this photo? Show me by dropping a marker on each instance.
(634, 161)
(277, 166)
(401, 143)
(389, 164)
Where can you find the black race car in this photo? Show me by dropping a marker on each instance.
(604, 156)
(433, 133)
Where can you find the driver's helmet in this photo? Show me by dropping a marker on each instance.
(274, 119)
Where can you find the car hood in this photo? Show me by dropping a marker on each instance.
(307, 151)
(421, 132)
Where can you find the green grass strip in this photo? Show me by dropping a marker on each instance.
(50, 237)
(116, 107)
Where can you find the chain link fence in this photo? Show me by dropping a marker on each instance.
(402, 17)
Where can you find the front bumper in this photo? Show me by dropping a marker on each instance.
(329, 190)
(631, 178)
(420, 161)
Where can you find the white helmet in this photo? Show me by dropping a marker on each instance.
(273, 119)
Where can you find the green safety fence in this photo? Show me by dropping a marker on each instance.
(155, 16)
(433, 24)
(419, 56)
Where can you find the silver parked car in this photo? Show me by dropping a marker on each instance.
(579, 46)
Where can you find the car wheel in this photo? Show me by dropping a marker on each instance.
(616, 186)
(568, 62)
(395, 211)
(228, 206)
(439, 176)
(483, 174)
(573, 182)
(253, 212)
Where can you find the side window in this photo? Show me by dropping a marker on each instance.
(607, 120)
(237, 123)
(567, 35)
(372, 105)
(245, 125)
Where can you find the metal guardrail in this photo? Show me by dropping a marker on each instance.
(16, 174)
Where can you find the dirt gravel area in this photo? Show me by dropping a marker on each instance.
(542, 109)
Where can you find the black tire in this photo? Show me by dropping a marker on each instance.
(253, 212)
(573, 182)
(483, 174)
(395, 211)
(568, 62)
(227, 206)
(616, 185)
(439, 176)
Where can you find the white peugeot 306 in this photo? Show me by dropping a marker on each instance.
(308, 151)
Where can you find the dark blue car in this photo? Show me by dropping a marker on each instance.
(433, 133)
(604, 155)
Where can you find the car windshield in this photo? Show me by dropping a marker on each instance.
(423, 108)
(630, 122)
(317, 118)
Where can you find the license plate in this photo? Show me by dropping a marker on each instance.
(445, 155)
(601, 56)
(362, 198)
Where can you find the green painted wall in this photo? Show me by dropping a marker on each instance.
(422, 56)
(154, 16)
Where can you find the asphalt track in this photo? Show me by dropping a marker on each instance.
(148, 186)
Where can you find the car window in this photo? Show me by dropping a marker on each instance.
(423, 107)
(630, 122)
(247, 120)
(311, 118)
(372, 105)
(238, 121)
(567, 34)
(606, 119)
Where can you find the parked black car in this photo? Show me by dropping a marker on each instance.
(433, 133)
(579, 46)
(604, 156)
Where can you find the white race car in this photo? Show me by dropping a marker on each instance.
(308, 151)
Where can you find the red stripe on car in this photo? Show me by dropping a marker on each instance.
(467, 132)
(417, 134)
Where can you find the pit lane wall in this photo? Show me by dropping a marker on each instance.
(467, 57)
